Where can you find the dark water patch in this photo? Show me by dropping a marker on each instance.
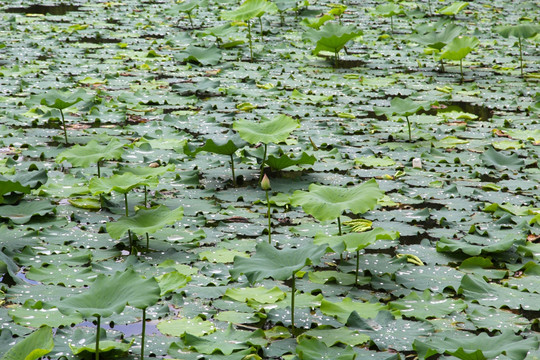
(96, 40)
(60, 9)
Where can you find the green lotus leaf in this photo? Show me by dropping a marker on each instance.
(493, 158)
(269, 262)
(330, 336)
(451, 245)
(35, 314)
(266, 131)
(172, 281)
(22, 182)
(110, 294)
(186, 6)
(388, 10)
(284, 161)
(227, 145)
(438, 40)
(329, 202)
(145, 221)
(314, 349)
(523, 31)
(427, 306)
(354, 241)
(86, 203)
(80, 343)
(203, 56)
(249, 9)
(343, 309)
(373, 161)
(469, 346)
(225, 341)
(329, 276)
(23, 212)
(180, 327)
(454, 8)
(333, 37)
(146, 171)
(57, 99)
(459, 47)
(317, 22)
(387, 332)
(403, 107)
(259, 294)
(34, 346)
(91, 153)
(120, 183)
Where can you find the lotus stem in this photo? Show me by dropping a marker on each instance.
(260, 23)
(357, 267)
(293, 286)
(143, 329)
(409, 126)
(147, 242)
(126, 204)
(98, 170)
(520, 56)
(250, 41)
(461, 69)
(64, 125)
(336, 59)
(269, 219)
(145, 197)
(190, 19)
(97, 336)
(442, 65)
(232, 169)
(129, 231)
(339, 225)
(263, 161)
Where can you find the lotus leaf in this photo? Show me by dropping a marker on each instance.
(438, 40)
(329, 202)
(493, 158)
(225, 341)
(180, 327)
(314, 349)
(204, 56)
(343, 309)
(120, 183)
(330, 336)
(172, 281)
(468, 346)
(145, 221)
(269, 262)
(36, 345)
(267, 131)
(36, 314)
(453, 8)
(259, 294)
(426, 306)
(249, 9)
(285, 161)
(91, 153)
(24, 211)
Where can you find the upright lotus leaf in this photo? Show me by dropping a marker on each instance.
(122, 183)
(204, 56)
(467, 346)
(247, 11)
(404, 107)
(438, 40)
(269, 262)
(521, 31)
(92, 153)
(267, 131)
(33, 347)
(145, 221)
(329, 202)
(332, 37)
(458, 48)
(59, 100)
(228, 145)
(454, 8)
(184, 7)
(389, 10)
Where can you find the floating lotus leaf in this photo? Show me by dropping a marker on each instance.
(403, 107)
(453, 8)
(227, 145)
(34, 346)
(22, 183)
(57, 99)
(266, 131)
(388, 10)
(467, 346)
(203, 56)
(269, 262)
(145, 221)
(427, 306)
(24, 211)
(329, 202)
(285, 161)
(120, 183)
(314, 349)
(91, 153)
(493, 158)
(331, 336)
(180, 327)
(343, 309)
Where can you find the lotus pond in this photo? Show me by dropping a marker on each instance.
(399, 214)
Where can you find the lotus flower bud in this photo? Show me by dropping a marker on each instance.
(265, 183)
